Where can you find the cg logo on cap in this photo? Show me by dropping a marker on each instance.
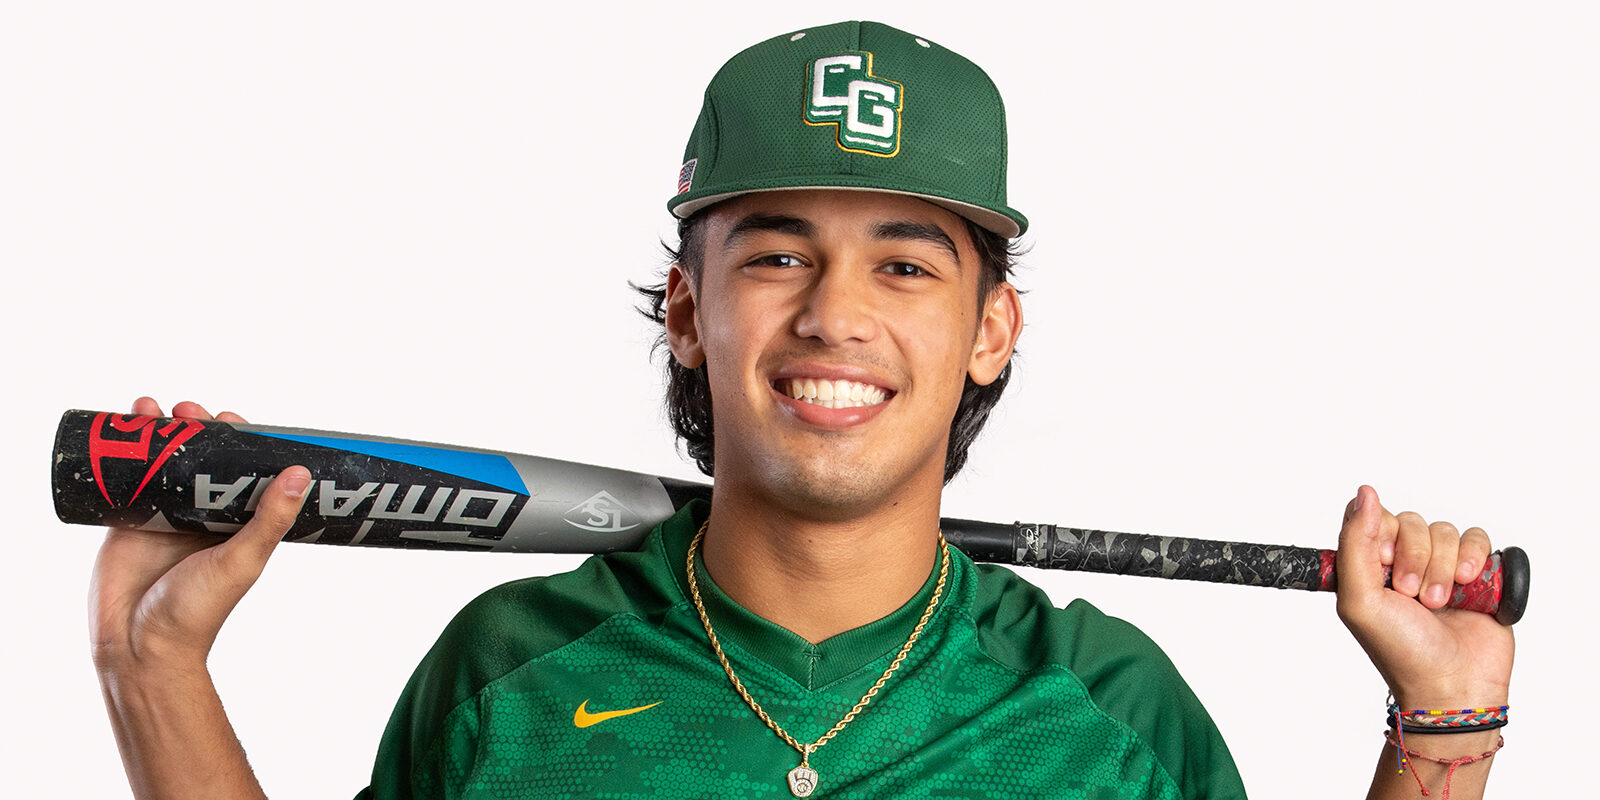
(841, 90)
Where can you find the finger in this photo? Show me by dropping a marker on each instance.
(147, 406)
(1473, 552)
(246, 554)
(1439, 576)
(189, 409)
(1411, 549)
(229, 416)
(1389, 530)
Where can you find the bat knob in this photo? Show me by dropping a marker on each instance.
(1514, 582)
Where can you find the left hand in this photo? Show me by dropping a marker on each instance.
(1431, 656)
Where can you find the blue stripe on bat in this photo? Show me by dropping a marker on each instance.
(487, 468)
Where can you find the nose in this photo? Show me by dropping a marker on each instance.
(838, 308)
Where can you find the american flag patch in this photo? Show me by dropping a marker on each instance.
(686, 175)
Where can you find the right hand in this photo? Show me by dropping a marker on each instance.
(159, 599)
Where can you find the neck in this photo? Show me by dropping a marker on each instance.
(815, 575)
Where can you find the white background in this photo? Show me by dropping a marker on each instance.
(1278, 250)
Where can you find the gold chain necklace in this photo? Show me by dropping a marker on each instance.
(803, 779)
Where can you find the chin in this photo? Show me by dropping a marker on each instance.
(824, 490)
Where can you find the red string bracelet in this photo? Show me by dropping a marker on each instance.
(1398, 740)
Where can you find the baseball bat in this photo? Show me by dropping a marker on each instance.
(171, 474)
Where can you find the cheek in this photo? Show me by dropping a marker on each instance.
(941, 338)
(731, 342)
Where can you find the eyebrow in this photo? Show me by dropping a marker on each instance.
(895, 230)
(917, 232)
(776, 223)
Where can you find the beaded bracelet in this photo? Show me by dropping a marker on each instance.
(1464, 720)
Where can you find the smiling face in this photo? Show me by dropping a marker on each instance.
(837, 329)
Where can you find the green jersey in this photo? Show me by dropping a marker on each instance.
(601, 683)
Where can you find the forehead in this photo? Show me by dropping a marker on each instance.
(834, 212)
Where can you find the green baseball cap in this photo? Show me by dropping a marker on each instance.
(854, 105)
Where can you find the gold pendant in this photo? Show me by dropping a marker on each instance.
(802, 780)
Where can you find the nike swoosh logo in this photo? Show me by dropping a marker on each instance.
(583, 717)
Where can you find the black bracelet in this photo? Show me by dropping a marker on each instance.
(1488, 726)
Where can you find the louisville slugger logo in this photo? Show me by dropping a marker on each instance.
(602, 513)
(133, 437)
(841, 90)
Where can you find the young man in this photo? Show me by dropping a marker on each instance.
(840, 323)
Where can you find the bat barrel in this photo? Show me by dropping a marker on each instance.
(169, 474)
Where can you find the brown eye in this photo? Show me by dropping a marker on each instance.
(779, 260)
(905, 270)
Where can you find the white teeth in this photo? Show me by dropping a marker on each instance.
(833, 394)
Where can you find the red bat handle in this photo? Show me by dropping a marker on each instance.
(1501, 589)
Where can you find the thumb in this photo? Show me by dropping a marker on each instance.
(245, 554)
(1359, 562)
(202, 590)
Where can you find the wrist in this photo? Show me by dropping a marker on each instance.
(171, 729)
(1454, 743)
(132, 678)
(148, 654)
(1465, 695)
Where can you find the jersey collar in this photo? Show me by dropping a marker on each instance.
(813, 666)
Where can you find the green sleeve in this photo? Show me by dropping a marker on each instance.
(1126, 675)
(1123, 670)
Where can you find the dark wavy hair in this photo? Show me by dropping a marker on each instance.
(688, 400)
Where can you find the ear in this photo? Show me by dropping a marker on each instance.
(998, 330)
(683, 329)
